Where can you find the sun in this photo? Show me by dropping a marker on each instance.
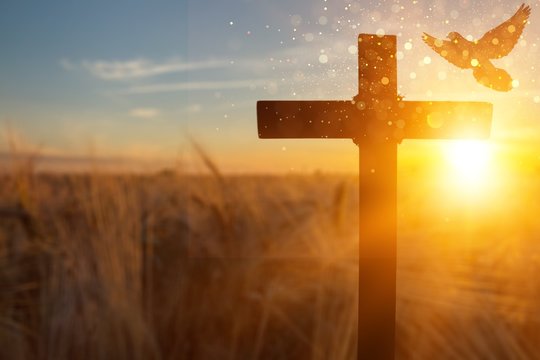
(469, 162)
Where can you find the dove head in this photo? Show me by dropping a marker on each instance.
(454, 36)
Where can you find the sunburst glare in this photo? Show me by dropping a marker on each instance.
(469, 163)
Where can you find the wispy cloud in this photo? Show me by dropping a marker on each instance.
(197, 85)
(140, 68)
(264, 70)
(144, 113)
(143, 68)
(193, 108)
(66, 64)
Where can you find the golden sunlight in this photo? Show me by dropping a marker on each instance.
(469, 162)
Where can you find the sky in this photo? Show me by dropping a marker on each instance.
(142, 80)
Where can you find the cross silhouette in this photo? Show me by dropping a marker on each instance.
(377, 119)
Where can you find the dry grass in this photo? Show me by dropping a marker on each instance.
(217, 267)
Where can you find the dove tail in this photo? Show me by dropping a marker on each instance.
(492, 77)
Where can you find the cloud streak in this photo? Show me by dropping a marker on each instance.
(144, 113)
(268, 71)
(142, 68)
(197, 85)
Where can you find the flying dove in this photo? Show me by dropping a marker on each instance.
(476, 55)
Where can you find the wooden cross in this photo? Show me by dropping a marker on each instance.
(377, 119)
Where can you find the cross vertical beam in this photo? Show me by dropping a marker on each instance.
(377, 93)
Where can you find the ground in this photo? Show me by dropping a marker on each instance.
(174, 266)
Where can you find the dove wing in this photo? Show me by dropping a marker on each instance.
(451, 51)
(500, 41)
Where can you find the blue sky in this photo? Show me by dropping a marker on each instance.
(138, 78)
(47, 95)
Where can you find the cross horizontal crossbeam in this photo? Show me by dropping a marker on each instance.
(347, 119)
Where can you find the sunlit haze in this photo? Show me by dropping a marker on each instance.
(136, 81)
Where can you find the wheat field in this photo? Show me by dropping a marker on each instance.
(176, 266)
